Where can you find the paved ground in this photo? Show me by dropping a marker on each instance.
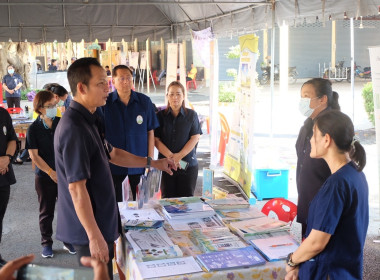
(21, 232)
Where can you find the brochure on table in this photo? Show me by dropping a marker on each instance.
(204, 223)
(275, 248)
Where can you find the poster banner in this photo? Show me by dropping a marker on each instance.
(239, 157)
(374, 57)
(171, 68)
(201, 46)
(143, 60)
(133, 59)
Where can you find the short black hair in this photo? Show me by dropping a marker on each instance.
(121, 66)
(80, 72)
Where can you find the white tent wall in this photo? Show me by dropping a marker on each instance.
(46, 21)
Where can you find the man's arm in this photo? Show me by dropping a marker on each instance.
(151, 143)
(84, 211)
(18, 86)
(4, 160)
(126, 159)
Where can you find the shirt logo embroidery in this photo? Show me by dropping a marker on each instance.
(139, 119)
(5, 130)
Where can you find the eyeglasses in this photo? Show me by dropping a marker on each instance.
(50, 107)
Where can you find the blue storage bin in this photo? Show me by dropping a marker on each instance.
(270, 183)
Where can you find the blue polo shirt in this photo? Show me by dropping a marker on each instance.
(80, 154)
(175, 132)
(340, 208)
(12, 82)
(126, 127)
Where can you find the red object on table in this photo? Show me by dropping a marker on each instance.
(286, 210)
(14, 110)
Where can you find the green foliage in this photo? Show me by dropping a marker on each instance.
(367, 94)
(234, 52)
(227, 91)
(232, 72)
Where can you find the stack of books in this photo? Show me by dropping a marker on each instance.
(140, 218)
(261, 225)
(243, 257)
(275, 247)
(152, 244)
(231, 202)
(184, 208)
(216, 240)
(235, 215)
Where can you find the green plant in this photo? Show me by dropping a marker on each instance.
(234, 52)
(24, 93)
(227, 91)
(367, 94)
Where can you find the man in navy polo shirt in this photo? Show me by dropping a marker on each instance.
(130, 120)
(12, 82)
(87, 214)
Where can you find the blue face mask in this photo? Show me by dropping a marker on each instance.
(51, 112)
(11, 71)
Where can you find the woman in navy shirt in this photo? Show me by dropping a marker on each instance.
(176, 138)
(40, 143)
(338, 215)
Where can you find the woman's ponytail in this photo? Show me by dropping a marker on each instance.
(357, 154)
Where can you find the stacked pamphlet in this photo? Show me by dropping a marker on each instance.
(140, 218)
(243, 257)
(152, 244)
(228, 203)
(276, 247)
(251, 227)
(216, 240)
(234, 215)
(203, 223)
(184, 210)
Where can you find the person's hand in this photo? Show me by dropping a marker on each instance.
(4, 162)
(53, 176)
(291, 273)
(3, 171)
(99, 249)
(7, 271)
(176, 158)
(165, 164)
(100, 268)
(11, 91)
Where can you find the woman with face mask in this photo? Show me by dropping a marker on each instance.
(61, 94)
(40, 144)
(316, 96)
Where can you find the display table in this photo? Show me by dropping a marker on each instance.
(271, 270)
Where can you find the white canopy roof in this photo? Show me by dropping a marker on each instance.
(44, 21)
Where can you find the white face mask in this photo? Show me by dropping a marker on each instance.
(304, 106)
(51, 112)
(60, 103)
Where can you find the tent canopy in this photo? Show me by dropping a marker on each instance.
(46, 21)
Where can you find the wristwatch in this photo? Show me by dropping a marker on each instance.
(289, 261)
(10, 157)
(148, 162)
